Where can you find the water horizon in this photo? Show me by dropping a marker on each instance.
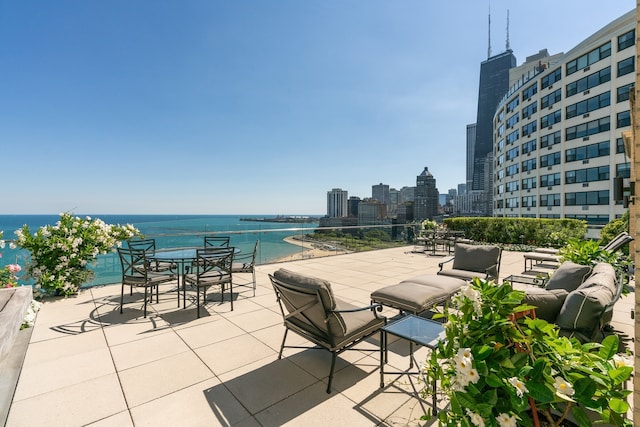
(172, 231)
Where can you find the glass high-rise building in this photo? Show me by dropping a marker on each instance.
(494, 83)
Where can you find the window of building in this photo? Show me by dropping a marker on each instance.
(550, 160)
(511, 121)
(512, 202)
(501, 130)
(550, 119)
(623, 170)
(550, 139)
(528, 183)
(511, 105)
(500, 189)
(600, 173)
(623, 119)
(512, 186)
(585, 198)
(587, 152)
(529, 202)
(552, 98)
(551, 78)
(589, 105)
(550, 199)
(512, 169)
(529, 92)
(529, 110)
(500, 159)
(623, 92)
(589, 58)
(590, 219)
(499, 204)
(550, 180)
(513, 153)
(620, 146)
(501, 145)
(626, 40)
(529, 128)
(529, 146)
(589, 82)
(625, 66)
(500, 174)
(590, 128)
(513, 137)
(529, 165)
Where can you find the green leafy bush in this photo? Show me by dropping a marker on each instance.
(529, 231)
(60, 254)
(496, 363)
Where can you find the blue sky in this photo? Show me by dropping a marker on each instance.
(176, 107)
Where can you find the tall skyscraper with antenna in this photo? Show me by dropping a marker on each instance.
(494, 83)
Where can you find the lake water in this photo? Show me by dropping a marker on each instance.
(172, 231)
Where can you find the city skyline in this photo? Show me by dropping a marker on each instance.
(220, 108)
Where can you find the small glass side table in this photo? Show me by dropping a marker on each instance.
(416, 330)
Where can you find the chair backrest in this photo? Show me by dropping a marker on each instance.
(252, 263)
(214, 262)
(478, 258)
(147, 245)
(216, 241)
(134, 263)
(307, 305)
(618, 242)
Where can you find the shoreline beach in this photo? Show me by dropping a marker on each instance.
(308, 250)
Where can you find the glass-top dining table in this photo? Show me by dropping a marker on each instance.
(182, 257)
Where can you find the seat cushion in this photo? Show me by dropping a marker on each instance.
(568, 276)
(352, 324)
(419, 293)
(461, 274)
(547, 302)
(476, 258)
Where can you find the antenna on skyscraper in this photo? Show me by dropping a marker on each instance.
(489, 49)
(508, 44)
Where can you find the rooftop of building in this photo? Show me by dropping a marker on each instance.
(87, 364)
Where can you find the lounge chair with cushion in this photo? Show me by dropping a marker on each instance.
(470, 261)
(310, 310)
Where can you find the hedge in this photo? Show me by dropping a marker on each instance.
(529, 231)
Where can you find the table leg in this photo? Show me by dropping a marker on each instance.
(383, 356)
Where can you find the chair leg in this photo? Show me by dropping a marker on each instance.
(333, 365)
(231, 294)
(254, 282)
(198, 299)
(121, 298)
(145, 299)
(284, 338)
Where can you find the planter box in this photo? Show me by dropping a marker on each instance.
(14, 303)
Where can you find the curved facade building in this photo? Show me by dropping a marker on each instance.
(558, 131)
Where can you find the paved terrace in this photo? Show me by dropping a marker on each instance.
(87, 364)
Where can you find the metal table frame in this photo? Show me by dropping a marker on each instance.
(417, 330)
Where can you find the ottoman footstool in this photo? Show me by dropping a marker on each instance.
(418, 294)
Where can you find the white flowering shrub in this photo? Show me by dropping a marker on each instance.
(60, 254)
(30, 316)
(499, 367)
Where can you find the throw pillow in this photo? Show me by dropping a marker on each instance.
(568, 276)
(547, 302)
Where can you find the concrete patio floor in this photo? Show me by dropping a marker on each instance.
(87, 364)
